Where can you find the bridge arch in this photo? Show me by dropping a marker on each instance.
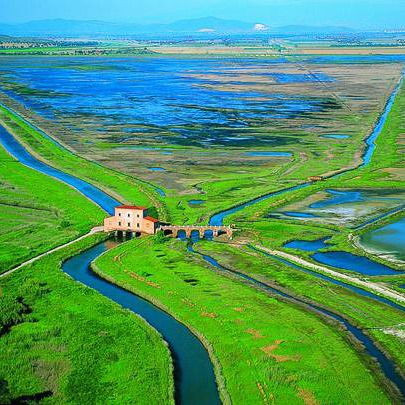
(203, 231)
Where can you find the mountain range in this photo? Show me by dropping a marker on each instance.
(93, 28)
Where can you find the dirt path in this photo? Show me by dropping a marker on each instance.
(375, 287)
(34, 259)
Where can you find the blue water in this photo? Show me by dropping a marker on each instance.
(370, 141)
(309, 246)
(285, 78)
(342, 260)
(194, 375)
(196, 202)
(338, 197)
(9, 143)
(160, 96)
(268, 153)
(156, 169)
(333, 59)
(386, 365)
(336, 136)
(389, 238)
(294, 214)
(359, 264)
(160, 191)
(357, 290)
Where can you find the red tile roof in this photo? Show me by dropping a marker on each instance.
(132, 207)
(151, 219)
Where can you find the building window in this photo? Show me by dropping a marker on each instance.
(137, 215)
(129, 215)
(129, 223)
(119, 223)
(137, 225)
(119, 214)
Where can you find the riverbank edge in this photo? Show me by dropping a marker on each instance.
(98, 238)
(93, 231)
(220, 380)
(304, 303)
(103, 238)
(21, 120)
(375, 288)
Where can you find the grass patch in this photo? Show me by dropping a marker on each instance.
(60, 337)
(268, 350)
(38, 213)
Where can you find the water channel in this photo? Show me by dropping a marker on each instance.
(195, 382)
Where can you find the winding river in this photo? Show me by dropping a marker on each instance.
(193, 371)
(195, 380)
(387, 366)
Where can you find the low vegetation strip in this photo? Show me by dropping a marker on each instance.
(120, 186)
(36, 258)
(368, 285)
(38, 213)
(62, 340)
(263, 346)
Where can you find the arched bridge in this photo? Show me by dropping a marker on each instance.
(173, 230)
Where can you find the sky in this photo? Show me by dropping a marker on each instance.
(350, 13)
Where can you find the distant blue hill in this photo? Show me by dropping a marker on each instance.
(93, 28)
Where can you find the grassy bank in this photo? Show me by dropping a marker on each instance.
(125, 188)
(38, 213)
(263, 345)
(366, 313)
(66, 341)
(384, 172)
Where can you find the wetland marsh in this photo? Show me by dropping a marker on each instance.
(227, 128)
(258, 130)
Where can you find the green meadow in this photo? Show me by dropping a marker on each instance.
(70, 344)
(375, 317)
(55, 334)
(38, 213)
(268, 350)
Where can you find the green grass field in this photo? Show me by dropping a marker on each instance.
(38, 213)
(364, 312)
(64, 339)
(269, 350)
(60, 340)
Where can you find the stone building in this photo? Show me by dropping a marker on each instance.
(131, 218)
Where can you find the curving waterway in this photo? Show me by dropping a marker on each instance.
(218, 218)
(193, 371)
(195, 380)
(93, 193)
(387, 366)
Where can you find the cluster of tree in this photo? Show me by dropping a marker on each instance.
(7, 42)
(80, 52)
